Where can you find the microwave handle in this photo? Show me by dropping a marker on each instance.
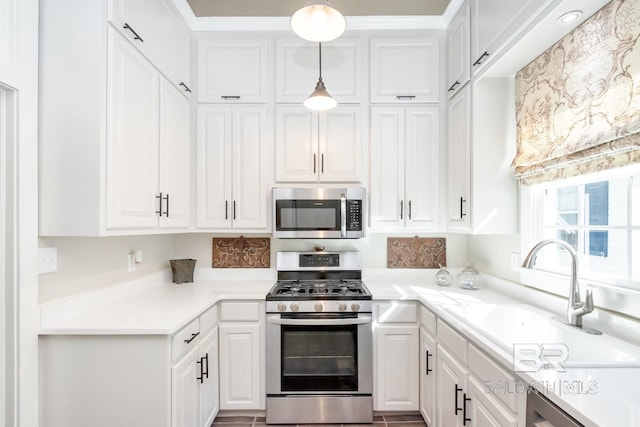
(343, 215)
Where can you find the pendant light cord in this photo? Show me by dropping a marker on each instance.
(320, 59)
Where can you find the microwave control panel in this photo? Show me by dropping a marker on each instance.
(354, 215)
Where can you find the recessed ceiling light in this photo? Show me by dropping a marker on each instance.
(568, 17)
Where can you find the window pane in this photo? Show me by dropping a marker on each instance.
(606, 202)
(635, 253)
(606, 254)
(635, 200)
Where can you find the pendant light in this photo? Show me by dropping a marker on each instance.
(318, 21)
(320, 100)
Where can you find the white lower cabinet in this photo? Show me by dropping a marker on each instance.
(428, 378)
(473, 390)
(242, 356)
(194, 385)
(131, 380)
(396, 379)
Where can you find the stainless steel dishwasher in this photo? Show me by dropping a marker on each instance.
(541, 412)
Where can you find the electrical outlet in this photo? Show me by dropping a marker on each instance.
(47, 260)
(515, 261)
(131, 262)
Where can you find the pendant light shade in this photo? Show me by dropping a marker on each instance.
(318, 21)
(320, 100)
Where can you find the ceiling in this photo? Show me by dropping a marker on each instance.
(226, 8)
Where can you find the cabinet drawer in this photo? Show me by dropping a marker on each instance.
(502, 383)
(209, 319)
(455, 342)
(240, 312)
(185, 338)
(428, 320)
(396, 312)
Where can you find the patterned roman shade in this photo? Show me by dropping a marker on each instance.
(578, 104)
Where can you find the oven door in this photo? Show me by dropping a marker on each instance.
(319, 353)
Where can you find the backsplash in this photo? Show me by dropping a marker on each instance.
(241, 252)
(416, 252)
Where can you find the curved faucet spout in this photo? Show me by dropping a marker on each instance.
(576, 308)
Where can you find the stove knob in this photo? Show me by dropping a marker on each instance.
(342, 307)
(294, 306)
(318, 306)
(355, 307)
(282, 307)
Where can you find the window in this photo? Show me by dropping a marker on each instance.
(599, 216)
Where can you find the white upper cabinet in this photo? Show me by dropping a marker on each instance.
(458, 46)
(404, 69)
(405, 168)
(233, 70)
(496, 22)
(233, 172)
(148, 144)
(175, 157)
(132, 145)
(459, 160)
(158, 30)
(297, 69)
(325, 146)
(125, 123)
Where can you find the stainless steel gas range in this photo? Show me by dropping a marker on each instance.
(319, 340)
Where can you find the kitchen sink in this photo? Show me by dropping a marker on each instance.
(533, 335)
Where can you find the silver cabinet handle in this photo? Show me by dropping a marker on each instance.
(401, 209)
(314, 162)
(343, 215)
(135, 35)
(409, 209)
(277, 320)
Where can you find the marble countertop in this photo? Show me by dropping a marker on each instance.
(595, 396)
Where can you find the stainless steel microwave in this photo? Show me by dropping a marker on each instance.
(319, 213)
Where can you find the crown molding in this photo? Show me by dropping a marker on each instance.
(250, 23)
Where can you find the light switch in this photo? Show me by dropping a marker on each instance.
(47, 260)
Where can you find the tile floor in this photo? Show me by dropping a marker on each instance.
(402, 420)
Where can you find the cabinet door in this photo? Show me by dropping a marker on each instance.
(484, 410)
(387, 207)
(495, 22)
(241, 375)
(209, 402)
(340, 144)
(296, 145)
(250, 159)
(184, 391)
(396, 383)
(459, 161)
(428, 391)
(451, 384)
(459, 50)
(233, 70)
(175, 157)
(214, 167)
(422, 168)
(297, 69)
(132, 138)
(405, 70)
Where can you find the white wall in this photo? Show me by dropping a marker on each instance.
(86, 263)
(373, 247)
(492, 254)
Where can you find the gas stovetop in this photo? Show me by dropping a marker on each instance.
(347, 289)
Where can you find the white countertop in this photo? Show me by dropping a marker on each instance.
(154, 305)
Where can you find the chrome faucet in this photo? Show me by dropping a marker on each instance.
(575, 309)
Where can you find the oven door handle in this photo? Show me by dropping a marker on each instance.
(277, 320)
(343, 215)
